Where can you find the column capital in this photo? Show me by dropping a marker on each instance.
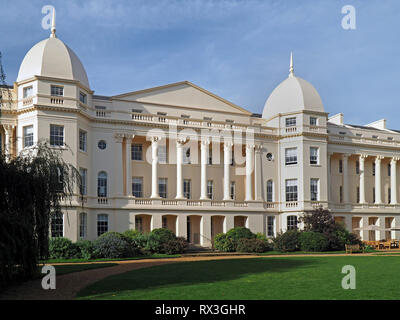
(181, 141)
(395, 159)
(363, 156)
(258, 147)
(345, 155)
(8, 127)
(205, 142)
(379, 158)
(119, 137)
(250, 146)
(228, 144)
(154, 139)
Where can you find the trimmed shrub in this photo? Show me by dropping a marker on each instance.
(340, 237)
(313, 241)
(85, 249)
(288, 241)
(62, 248)
(224, 243)
(175, 246)
(252, 245)
(164, 234)
(114, 245)
(240, 233)
(132, 234)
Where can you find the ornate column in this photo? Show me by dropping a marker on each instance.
(362, 177)
(378, 189)
(128, 163)
(118, 166)
(154, 167)
(249, 171)
(345, 178)
(179, 175)
(204, 144)
(258, 173)
(393, 180)
(227, 164)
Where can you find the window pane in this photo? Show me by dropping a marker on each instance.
(314, 189)
(187, 188)
(313, 155)
(291, 156)
(137, 187)
(56, 135)
(269, 191)
(136, 151)
(57, 225)
(291, 190)
(102, 184)
(57, 91)
(28, 136)
(162, 187)
(82, 225)
(82, 140)
(291, 122)
(83, 188)
(102, 224)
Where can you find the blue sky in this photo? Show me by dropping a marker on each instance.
(236, 49)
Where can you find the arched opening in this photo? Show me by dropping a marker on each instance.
(193, 229)
(169, 222)
(240, 221)
(217, 226)
(143, 222)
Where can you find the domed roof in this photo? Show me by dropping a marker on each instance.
(52, 58)
(291, 95)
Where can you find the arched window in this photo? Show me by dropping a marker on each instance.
(82, 225)
(270, 191)
(102, 184)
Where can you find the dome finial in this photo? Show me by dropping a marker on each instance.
(291, 69)
(53, 25)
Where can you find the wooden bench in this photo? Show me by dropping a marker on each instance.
(350, 248)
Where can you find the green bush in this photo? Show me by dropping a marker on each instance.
(163, 234)
(288, 241)
(114, 245)
(224, 243)
(313, 241)
(340, 237)
(240, 233)
(174, 246)
(252, 245)
(62, 248)
(85, 249)
(132, 234)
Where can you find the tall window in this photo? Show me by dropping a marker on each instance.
(291, 156)
(389, 195)
(57, 91)
(210, 154)
(340, 194)
(357, 167)
(137, 187)
(358, 195)
(210, 189)
(270, 191)
(270, 226)
(137, 152)
(28, 136)
(233, 190)
(232, 157)
(313, 155)
(56, 135)
(57, 225)
(83, 186)
(162, 154)
(292, 222)
(388, 169)
(162, 187)
(373, 195)
(82, 140)
(373, 168)
(102, 224)
(290, 122)
(340, 166)
(186, 155)
(82, 225)
(82, 97)
(291, 190)
(102, 184)
(313, 121)
(187, 188)
(28, 92)
(139, 224)
(314, 189)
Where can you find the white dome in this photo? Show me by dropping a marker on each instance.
(52, 58)
(291, 95)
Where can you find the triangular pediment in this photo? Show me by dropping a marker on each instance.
(183, 94)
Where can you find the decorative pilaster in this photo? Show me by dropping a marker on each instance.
(227, 164)
(204, 145)
(249, 171)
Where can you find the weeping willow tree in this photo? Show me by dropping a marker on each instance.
(33, 187)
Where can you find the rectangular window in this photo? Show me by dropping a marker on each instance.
(292, 222)
(291, 190)
(290, 122)
(232, 157)
(357, 167)
(28, 92)
(233, 190)
(139, 224)
(82, 140)
(210, 189)
(270, 191)
(314, 186)
(187, 188)
(358, 194)
(313, 121)
(210, 155)
(373, 195)
(102, 224)
(82, 97)
(340, 194)
(83, 186)
(57, 225)
(57, 91)
(389, 195)
(270, 226)
(28, 136)
(314, 155)
(137, 187)
(290, 156)
(186, 155)
(340, 166)
(82, 225)
(162, 187)
(388, 169)
(137, 151)
(373, 169)
(56, 135)
(162, 154)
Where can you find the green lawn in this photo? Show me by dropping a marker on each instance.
(378, 277)
(64, 269)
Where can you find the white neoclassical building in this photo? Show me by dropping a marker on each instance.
(180, 157)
